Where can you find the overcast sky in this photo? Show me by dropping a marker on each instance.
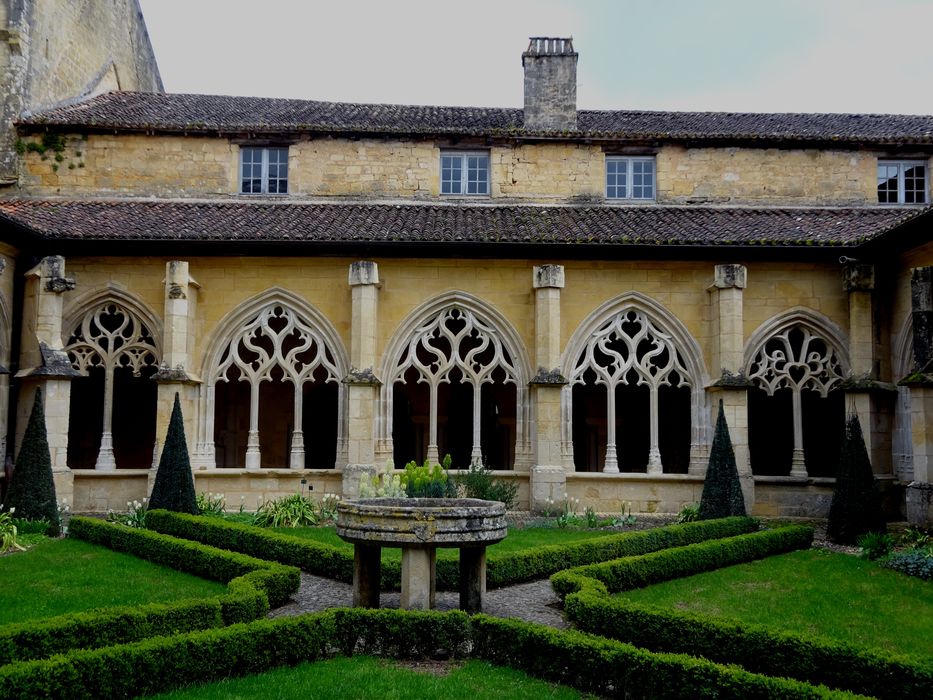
(721, 55)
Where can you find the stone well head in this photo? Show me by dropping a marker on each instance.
(429, 522)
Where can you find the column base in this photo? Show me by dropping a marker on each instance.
(548, 483)
(919, 503)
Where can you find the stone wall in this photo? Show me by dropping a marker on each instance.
(188, 166)
(55, 50)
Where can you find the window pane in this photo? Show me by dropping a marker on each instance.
(887, 183)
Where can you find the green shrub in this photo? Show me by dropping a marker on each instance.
(585, 661)
(425, 481)
(278, 582)
(31, 492)
(174, 486)
(689, 513)
(913, 562)
(30, 527)
(638, 571)
(856, 505)
(9, 531)
(211, 504)
(754, 647)
(613, 669)
(722, 493)
(478, 482)
(875, 545)
(289, 511)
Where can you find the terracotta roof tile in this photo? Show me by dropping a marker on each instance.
(259, 222)
(213, 113)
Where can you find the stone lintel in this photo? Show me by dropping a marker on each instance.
(363, 377)
(858, 277)
(363, 272)
(730, 276)
(55, 363)
(548, 276)
(548, 377)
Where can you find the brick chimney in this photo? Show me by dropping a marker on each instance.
(550, 84)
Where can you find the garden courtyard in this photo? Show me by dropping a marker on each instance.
(213, 606)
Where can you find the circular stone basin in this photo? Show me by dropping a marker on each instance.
(413, 522)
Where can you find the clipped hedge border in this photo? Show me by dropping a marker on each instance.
(585, 661)
(252, 585)
(639, 571)
(756, 648)
(501, 569)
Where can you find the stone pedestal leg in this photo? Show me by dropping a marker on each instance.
(418, 578)
(472, 578)
(367, 570)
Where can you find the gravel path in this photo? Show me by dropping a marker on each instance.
(533, 602)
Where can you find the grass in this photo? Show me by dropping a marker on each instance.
(65, 575)
(811, 591)
(366, 677)
(517, 540)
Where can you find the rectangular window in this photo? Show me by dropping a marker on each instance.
(263, 170)
(902, 182)
(629, 177)
(465, 172)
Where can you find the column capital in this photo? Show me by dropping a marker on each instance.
(548, 276)
(858, 277)
(730, 276)
(363, 272)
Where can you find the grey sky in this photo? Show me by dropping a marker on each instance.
(722, 55)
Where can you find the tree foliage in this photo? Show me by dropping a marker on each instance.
(32, 488)
(722, 492)
(856, 505)
(174, 485)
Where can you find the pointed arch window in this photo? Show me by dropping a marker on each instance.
(630, 356)
(468, 412)
(277, 348)
(794, 368)
(112, 345)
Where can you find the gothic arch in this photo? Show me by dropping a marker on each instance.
(671, 344)
(488, 351)
(795, 359)
(115, 340)
(273, 338)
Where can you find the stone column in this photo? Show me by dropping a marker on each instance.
(871, 399)
(362, 383)
(726, 297)
(175, 373)
(45, 364)
(548, 479)
(920, 491)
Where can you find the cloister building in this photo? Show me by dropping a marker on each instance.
(562, 294)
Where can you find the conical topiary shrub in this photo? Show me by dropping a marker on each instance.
(722, 492)
(856, 506)
(174, 486)
(32, 489)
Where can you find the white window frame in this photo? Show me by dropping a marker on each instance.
(629, 186)
(264, 172)
(903, 165)
(464, 178)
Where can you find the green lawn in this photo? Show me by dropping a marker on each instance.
(63, 576)
(366, 677)
(813, 591)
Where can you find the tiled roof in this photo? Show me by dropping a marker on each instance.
(212, 113)
(264, 222)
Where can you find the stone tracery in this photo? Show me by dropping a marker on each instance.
(110, 336)
(276, 345)
(454, 344)
(630, 349)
